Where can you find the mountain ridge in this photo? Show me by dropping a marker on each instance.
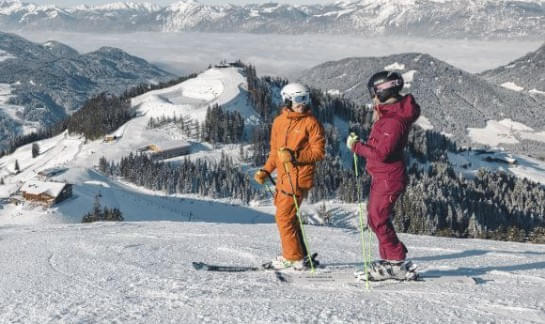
(428, 18)
(46, 82)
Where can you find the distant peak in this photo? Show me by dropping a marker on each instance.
(129, 5)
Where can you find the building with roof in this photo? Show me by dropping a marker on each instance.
(49, 193)
(167, 150)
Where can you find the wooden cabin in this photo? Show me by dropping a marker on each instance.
(48, 193)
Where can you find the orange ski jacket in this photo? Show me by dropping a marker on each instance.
(304, 135)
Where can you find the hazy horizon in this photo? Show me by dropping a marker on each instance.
(187, 52)
(71, 3)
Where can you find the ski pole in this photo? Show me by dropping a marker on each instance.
(274, 184)
(309, 254)
(363, 250)
(266, 186)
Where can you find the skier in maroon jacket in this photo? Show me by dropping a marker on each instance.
(393, 116)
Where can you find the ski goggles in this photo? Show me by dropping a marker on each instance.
(301, 99)
(374, 89)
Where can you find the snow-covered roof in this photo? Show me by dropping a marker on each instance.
(34, 187)
(165, 146)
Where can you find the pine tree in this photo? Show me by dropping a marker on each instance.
(35, 150)
(17, 169)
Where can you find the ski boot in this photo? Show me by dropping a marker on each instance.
(388, 270)
(281, 263)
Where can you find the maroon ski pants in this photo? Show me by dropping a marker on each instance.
(382, 197)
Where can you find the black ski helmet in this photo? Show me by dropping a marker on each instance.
(385, 85)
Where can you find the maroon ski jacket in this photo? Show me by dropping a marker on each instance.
(384, 148)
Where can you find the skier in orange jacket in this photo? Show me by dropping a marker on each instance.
(297, 143)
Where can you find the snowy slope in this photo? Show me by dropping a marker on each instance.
(141, 273)
(78, 158)
(469, 163)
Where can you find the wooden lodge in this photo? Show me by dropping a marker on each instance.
(48, 193)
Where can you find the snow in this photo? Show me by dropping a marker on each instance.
(395, 66)
(5, 93)
(408, 77)
(424, 123)
(469, 162)
(535, 91)
(14, 111)
(141, 272)
(505, 131)
(512, 86)
(5, 56)
(189, 99)
(194, 96)
(171, 145)
(336, 13)
(334, 92)
(123, 6)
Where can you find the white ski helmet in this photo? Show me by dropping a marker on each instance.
(295, 93)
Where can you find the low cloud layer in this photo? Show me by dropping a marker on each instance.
(285, 55)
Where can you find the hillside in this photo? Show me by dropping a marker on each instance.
(43, 83)
(77, 157)
(525, 74)
(454, 102)
(141, 272)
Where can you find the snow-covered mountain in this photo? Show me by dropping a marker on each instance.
(43, 83)
(427, 18)
(525, 74)
(77, 157)
(453, 101)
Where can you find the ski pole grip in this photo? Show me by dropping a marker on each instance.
(269, 175)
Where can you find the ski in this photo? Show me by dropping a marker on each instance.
(236, 268)
(348, 278)
(224, 268)
(233, 268)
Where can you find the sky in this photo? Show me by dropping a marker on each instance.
(70, 3)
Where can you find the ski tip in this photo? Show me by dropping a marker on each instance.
(198, 265)
(267, 265)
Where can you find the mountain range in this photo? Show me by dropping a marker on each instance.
(453, 101)
(526, 73)
(426, 18)
(42, 83)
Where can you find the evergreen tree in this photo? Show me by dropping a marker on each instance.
(35, 150)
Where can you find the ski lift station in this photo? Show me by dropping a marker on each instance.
(167, 150)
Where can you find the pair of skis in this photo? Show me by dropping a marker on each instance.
(334, 276)
(282, 275)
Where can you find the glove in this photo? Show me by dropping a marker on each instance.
(260, 176)
(351, 141)
(286, 155)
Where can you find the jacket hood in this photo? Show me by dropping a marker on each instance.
(405, 109)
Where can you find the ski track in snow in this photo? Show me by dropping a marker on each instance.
(141, 272)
